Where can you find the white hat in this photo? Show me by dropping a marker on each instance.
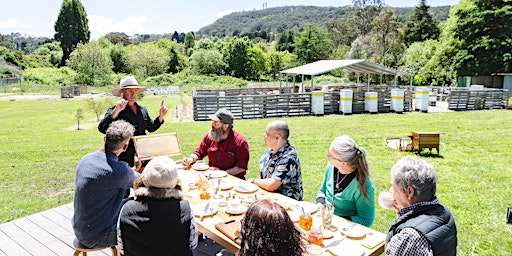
(126, 83)
(160, 172)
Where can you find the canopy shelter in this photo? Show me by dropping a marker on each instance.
(359, 66)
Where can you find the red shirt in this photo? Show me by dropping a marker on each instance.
(226, 154)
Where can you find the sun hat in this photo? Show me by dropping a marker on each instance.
(126, 83)
(160, 172)
(222, 115)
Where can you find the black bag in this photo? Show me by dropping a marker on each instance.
(509, 215)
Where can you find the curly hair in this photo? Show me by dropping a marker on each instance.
(268, 230)
(118, 133)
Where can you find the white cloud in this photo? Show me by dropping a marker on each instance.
(8, 24)
(99, 25)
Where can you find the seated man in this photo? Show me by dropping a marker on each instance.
(423, 225)
(101, 182)
(280, 165)
(226, 148)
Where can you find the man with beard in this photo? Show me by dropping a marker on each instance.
(226, 148)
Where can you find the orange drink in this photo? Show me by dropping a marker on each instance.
(305, 221)
(315, 236)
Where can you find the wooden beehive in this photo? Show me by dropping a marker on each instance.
(422, 140)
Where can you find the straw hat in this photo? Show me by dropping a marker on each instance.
(126, 83)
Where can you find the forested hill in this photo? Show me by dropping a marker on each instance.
(276, 20)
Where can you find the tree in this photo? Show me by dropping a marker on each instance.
(118, 38)
(207, 62)
(92, 63)
(258, 63)
(236, 56)
(312, 44)
(386, 39)
(118, 57)
(416, 57)
(189, 43)
(285, 41)
(176, 37)
(99, 106)
(147, 59)
(484, 31)
(71, 27)
(422, 25)
(79, 115)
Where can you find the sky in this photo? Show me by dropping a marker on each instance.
(37, 17)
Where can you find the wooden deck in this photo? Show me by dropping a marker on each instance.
(44, 233)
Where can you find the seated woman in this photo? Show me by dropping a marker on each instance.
(347, 184)
(268, 230)
(158, 221)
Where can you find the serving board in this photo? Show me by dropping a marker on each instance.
(230, 229)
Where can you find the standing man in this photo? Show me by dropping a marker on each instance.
(226, 148)
(280, 165)
(128, 109)
(101, 182)
(423, 225)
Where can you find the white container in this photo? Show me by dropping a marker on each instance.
(317, 103)
(370, 102)
(346, 96)
(397, 100)
(422, 99)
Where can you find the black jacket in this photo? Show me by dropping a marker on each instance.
(142, 123)
(156, 224)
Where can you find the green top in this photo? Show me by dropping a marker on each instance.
(350, 202)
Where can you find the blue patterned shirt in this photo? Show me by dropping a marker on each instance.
(283, 166)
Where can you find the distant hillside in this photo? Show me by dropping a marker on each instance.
(275, 20)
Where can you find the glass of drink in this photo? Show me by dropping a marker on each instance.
(305, 221)
(315, 236)
(204, 189)
(327, 213)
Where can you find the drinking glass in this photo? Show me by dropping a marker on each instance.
(315, 236)
(327, 213)
(305, 220)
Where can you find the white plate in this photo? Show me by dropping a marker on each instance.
(217, 174)
(239, 210)
(347, 248)
(199, 210)
(200, 167)
(327, 234)
(226, 184)
(307, 206)
(354, 232)
(294, 215)
(246, 188)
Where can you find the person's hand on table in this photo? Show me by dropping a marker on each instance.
(187, 161)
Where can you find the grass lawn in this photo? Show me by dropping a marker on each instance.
(41, 147)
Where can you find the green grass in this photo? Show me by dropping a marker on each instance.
(41, 147)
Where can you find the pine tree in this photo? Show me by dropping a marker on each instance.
(71, 27)
(422, 26)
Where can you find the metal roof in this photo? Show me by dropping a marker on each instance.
(357, 65)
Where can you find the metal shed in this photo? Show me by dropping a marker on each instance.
(359, 66)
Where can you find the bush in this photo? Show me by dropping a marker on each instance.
(51, 76)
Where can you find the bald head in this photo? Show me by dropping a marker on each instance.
(280, 127)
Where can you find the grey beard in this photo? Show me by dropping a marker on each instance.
(216, 134)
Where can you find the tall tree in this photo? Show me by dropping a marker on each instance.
(118, 38)
(312, 44)
(236, 56)
(422, 25)
(484, 31)
(71, 27)
(362, 15)
(189, 43)
(387, 38)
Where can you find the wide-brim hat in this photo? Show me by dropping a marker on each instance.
(127, 82)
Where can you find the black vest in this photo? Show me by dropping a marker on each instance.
(435, 223)
(155, 227)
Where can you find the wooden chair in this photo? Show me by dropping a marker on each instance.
(83, 250)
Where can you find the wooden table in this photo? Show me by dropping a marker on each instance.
(207, 225)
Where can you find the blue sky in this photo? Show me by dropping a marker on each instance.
(37, 17)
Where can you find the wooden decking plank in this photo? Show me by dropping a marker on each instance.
(62, 244)
(43, 241)
(24, 239)
(8, 246)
